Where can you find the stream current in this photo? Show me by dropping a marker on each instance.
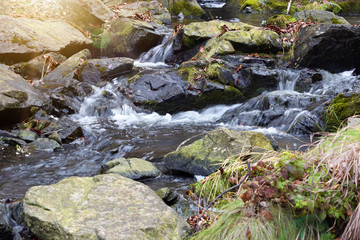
(123, 131)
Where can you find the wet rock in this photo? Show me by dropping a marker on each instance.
(133, 168)
(86, 14)
(328, 46)
(62, 86)
(35, 68)
(96, 70)
(130, 38)
(27, 135)
(288, 111)
(164, 91)
(66, 129)
(17, 97)
(320, 16)
(167, 195)
(65, 74)
(206, 155)
(44, 144)
(22, 39)
(216, 46)
(105, 207)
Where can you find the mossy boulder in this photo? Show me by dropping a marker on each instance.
(133, 168)
(320, 16)
(254, 40)
(96, 70)
(17, 96)
(106, 207)
(129, 38)
(206, 155)
(22, 39)
(328, 46)
(350, 7)
(216, 46)
(200, 31)
(256, 6)
(281, 20)
(243, 37)
(330, 6)
(341, 107)
(187, 7)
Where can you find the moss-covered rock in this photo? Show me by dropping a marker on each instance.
(129, 38)
(350, 7)
(216, 46)
(254, 40)
(341, 107)
(133, 168)
(188, 8)
(206, 155)
(275, 6)
(320, 16)
(281, 20)
(105, 207)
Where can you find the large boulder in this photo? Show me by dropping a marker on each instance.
(133, 168)
(328, 46)
(22, 39)
(96, 70)
(129, 38)
(166, 91)
(206, 155)
(85, 14)
(243, 37)
(108, 207)
(17, 96)
(320, 16)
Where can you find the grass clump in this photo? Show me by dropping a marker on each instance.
(290, 195)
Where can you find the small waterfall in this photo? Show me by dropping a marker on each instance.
(159, 53)
(288, 79)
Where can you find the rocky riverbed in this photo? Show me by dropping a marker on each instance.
(101, 93)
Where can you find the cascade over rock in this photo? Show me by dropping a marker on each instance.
(129, 38)
(22, 39)
(17, 97)
(108, 207)
(165, 91)
(333, 47)
(206, 155)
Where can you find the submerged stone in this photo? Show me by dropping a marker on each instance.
(107, 207)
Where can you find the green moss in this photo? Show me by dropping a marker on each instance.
(188, 41)
(340, 108)
(350, 7)
(276, 6)
(281, 20)
(254, 4)
(187, 9)
(102, 69)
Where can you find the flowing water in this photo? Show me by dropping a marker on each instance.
(114, 127)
